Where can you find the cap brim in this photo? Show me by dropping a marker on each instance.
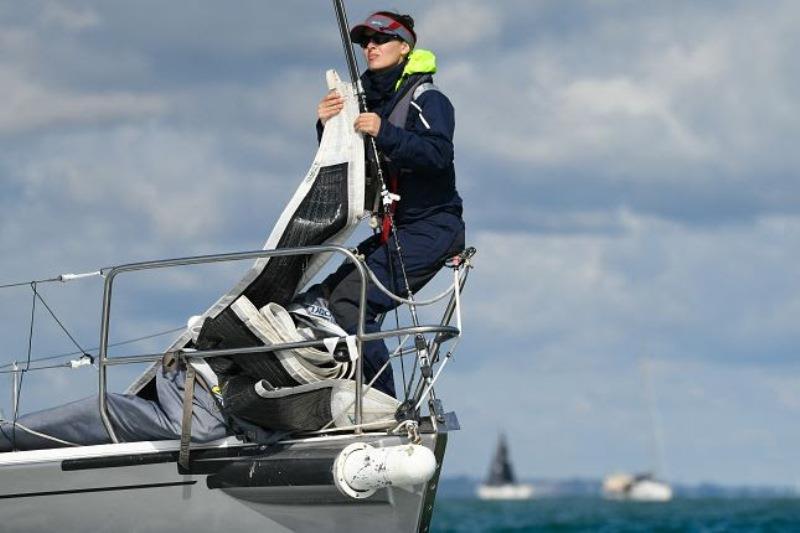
(358, 31)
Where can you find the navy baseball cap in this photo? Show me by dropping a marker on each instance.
(381, 23)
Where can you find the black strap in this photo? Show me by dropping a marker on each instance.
(186, 422)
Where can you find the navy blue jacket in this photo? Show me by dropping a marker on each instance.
(423, 150)
(424, 153)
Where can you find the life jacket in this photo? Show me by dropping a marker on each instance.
(415, 80)
(422, 64)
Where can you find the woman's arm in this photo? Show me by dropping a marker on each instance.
(429, 142)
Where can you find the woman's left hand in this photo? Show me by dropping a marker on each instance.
(369, 123)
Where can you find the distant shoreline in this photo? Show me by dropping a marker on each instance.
(457, 487)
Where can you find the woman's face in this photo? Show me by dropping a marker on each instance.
(382, 56)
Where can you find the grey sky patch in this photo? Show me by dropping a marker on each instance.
(628, 170)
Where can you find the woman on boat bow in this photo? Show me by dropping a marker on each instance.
(412, 123)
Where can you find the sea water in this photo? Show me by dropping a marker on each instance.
(595, 514)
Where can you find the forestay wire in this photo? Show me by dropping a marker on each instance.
(386, 197)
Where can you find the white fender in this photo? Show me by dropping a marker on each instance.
(361, 469)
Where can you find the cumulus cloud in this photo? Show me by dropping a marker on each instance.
(35, 101)
(144, 186)
(452, 26)
(620, 98)
(31, 105)
(719, 294)
(69, 17)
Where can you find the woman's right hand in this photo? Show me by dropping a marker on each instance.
(330, 106)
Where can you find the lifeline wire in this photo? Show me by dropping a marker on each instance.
(34, 369)
(27, 283)
(39, 296)
(115, 344)
(27, 366)
(402, 300)
(62, 278)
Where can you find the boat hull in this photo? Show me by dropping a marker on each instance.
(228, 488)
(505, 492)
(650, 491)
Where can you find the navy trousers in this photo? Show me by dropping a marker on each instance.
(425, 244)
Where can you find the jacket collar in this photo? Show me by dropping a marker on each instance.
(420, 61)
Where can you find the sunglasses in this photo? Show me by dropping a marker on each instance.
(377, 38)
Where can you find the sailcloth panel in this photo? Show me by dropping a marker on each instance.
(325, 209)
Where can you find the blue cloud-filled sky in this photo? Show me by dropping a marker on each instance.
(629, 178)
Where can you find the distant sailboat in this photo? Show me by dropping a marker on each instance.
(644, 487)
(640, 488)
(500, 483)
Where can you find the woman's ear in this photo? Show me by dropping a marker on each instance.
(405, 48)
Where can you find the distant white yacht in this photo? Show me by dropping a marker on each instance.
(643, 487)
(500, 483)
